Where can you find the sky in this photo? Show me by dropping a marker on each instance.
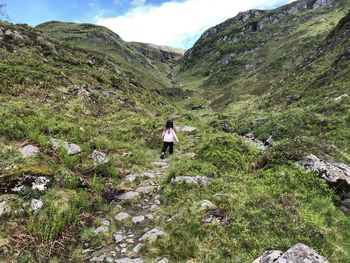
(175, 23)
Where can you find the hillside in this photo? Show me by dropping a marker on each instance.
(150, 70)
(257, 49)
(261, 173)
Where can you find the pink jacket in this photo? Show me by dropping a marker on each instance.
(169, 135)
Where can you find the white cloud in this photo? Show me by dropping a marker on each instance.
(177, 23)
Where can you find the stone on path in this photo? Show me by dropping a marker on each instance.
(29, 151)
(104, 228)
(137, 248)
(118, 237)
(99, 157)
(128, 196)
(138, 219)
(146, 189)
(70, 147)
(129, 260)
(152, 235)
(122, 216)
(36, 204)
(164, 260)
(199, 180)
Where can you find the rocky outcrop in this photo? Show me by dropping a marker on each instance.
(334, 173)
(299, 253)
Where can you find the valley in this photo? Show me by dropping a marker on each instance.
(261, 107)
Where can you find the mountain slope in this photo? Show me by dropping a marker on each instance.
(257, 49)
(127, 56)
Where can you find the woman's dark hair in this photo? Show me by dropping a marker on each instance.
(169, 124)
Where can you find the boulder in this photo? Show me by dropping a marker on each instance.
(269, 256)
(299, 253)
(198, 180)
(99, 157)
(152, 235)
(70, 147)
(2, 208)
(336, 174)
(164, 260)
(29, 151)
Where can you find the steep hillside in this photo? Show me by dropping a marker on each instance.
(128, 56)
(257, 49)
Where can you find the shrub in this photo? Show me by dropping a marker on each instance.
(63, 208)
(227, 153)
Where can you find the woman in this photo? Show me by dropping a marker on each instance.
(168, 138)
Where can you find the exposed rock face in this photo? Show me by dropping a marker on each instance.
(199, 180)
(70, 147)
(299, 253)
(336, 174)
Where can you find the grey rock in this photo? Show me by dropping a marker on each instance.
(101, 230)
(29, 151)
(138, 219)
(164, 260)
(206, 204)
(199, 180)
(129, 260)
(70, 147)
(188, 129)
(269, 256)
(36, 204)
(137, 248)
(131, 177)
(98, 259)
(122, 216)
(2, 208)
(146, 189)
(128, 196)
(99, 157)
(118, 237)
(17, 35)
(106, 222)
(301, 253)
(40, 183)
(152, 235)
(341, 98)
(337, 174)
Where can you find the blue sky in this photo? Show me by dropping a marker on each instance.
(176, 23)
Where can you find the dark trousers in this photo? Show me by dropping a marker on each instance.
(170, 145)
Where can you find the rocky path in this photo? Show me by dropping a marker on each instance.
(136, 221)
